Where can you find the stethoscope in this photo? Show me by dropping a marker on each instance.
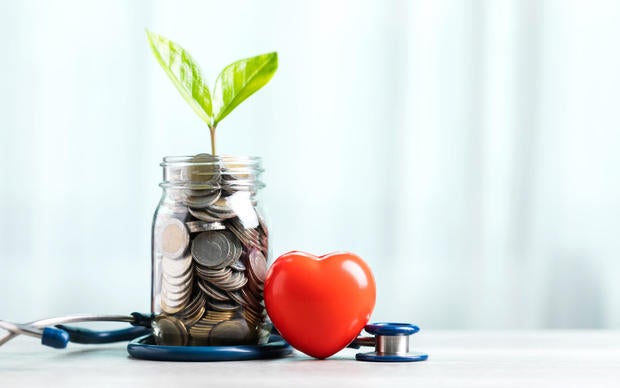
(390, 340)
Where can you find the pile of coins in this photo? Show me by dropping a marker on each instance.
(210, 249)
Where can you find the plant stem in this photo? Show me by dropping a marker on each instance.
(212, 130)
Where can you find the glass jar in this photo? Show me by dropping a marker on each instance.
(209, 253)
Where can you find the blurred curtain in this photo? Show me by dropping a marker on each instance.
(466, 149)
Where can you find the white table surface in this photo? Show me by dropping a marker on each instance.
(457, 359)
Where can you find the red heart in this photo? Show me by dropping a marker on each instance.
(319, 304)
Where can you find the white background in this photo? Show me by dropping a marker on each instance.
(468, 150)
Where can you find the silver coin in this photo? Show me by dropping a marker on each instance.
(250, 299)
(237, 250)
(200, 331)
(238, 266)
(254, 319)
(172, 307)
(263, 233)
(201, 202)
(203, 215)
(172, 210)
(175, 295)
(173, 238)
(262, 226)
(202, 226)
(236, 297)
(220, 215)
(234, 282)
(206, 273)
(220, 208)
(223, 306)
(202, 190)
(176, 267)
(192, 319)
(183, 279)
(199, 336)
(258, 265)
(249, 237)
(169, 331)
(180, 290)
(203, 168)
(194, 310)
(232, 169)
(233, 332)
(213, 317)
(212, 291)
(215, 249)
(221, 205)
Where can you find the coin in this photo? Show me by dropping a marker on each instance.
(263, 233)
(203, 201)
(183, 279)
(176, 268)
(213, 291)
(238, 266)
(200, 331)
(207, 274)
(220, 208)
(223, 306)
(258, 265)
(251, 297)
(251, 317)
(235, 170)
(203, 168)
(170, 305)
(215, 317)
(236, 297)
(202, 226)
(210, 249)
(262, 226)
(169, 331)
(175, 210)
(221, 205)
(194, 310)
(233, 332)
(173, 238)
(215, 249)
(249, 237)
(203, 215)
(176, 291)
(234, 281)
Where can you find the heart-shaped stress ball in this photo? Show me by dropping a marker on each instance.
(319, 304)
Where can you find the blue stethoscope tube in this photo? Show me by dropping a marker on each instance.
(55, 334)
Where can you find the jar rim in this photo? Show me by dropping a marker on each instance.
(205, 171)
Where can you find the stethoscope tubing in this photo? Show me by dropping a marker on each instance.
(30, 328)
(390, 339)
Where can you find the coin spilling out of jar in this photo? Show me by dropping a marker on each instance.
(210, 252)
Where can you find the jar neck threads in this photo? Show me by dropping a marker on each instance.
(205, 171)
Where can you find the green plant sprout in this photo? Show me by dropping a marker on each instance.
(233, 85)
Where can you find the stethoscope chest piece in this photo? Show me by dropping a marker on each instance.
(391, 341)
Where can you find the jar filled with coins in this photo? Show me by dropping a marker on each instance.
(209, 253)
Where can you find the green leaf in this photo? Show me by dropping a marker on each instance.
(240, 80)
(184, 73)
